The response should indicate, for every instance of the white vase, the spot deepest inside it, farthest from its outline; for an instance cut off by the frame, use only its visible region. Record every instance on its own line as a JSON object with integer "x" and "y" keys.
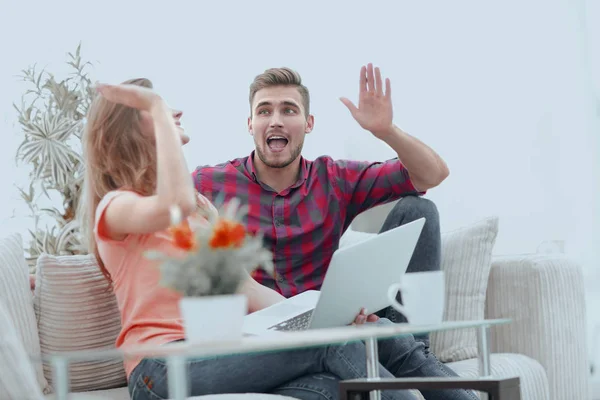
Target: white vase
{"x": 213, "y": 318}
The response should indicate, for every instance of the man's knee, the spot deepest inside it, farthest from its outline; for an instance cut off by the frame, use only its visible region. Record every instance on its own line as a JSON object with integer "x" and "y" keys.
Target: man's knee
{"x": 427, "y": 253}
{"x": 324, "y": 386}
{"x": 411, "y": 208}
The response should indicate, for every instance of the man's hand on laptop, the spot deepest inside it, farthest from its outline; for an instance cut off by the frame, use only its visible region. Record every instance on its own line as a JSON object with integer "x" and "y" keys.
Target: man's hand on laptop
{"x": 363, "y": 317}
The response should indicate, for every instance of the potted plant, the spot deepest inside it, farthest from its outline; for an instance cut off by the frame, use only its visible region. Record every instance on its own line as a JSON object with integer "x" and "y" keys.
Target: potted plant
{"x": 52, "y": 116}
{"x": 213, "y": 261}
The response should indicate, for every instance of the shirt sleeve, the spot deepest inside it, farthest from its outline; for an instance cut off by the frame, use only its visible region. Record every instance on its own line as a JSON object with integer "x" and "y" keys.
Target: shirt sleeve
{"x": 202, "y": 183}
{"x": 99, "y": 228}
{"x": 369, "y": 184}
{"x": 196, "y": 178}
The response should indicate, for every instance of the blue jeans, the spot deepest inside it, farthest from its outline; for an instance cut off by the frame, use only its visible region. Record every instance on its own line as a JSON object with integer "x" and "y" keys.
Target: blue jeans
{"x": 428, "y": 251}
{"x": 303, "y": 373}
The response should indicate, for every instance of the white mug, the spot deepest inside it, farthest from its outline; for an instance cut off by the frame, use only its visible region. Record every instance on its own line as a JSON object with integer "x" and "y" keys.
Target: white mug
{"x": 423, "y": 297}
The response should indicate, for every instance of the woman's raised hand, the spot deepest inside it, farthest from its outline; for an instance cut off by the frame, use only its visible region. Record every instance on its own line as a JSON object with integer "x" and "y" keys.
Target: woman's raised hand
{"x": 134, "y": 96}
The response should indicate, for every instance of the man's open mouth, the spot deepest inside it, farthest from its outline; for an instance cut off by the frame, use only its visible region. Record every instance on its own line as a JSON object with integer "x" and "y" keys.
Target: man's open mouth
{"x": 277, "y": 143}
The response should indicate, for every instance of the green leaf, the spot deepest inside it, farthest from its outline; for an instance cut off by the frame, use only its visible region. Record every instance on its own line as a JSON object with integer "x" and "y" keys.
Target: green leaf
{"x": 50, "y": 119}
{"x": 52, "y": 211}
{"x": 30, "y": 150}
{"x": 155, "y": 255}
{"x": 39, "y": 79}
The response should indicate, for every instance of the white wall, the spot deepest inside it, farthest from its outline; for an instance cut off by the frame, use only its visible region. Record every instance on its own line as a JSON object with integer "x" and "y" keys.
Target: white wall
{"x": 501, "y": 90}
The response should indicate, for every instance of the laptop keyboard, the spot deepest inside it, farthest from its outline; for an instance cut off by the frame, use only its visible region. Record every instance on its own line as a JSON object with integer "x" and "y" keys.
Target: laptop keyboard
{"x": 298, "y": 323}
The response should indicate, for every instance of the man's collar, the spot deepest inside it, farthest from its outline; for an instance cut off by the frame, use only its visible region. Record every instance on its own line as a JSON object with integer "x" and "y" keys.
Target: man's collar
{"x": 250, "y": 166}
{"x": 303, "y": 176}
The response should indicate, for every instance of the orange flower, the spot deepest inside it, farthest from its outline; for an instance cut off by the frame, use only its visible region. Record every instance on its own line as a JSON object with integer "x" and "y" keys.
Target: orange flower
{"x": 227, "y": 234}
{"x": 183, "y": 237}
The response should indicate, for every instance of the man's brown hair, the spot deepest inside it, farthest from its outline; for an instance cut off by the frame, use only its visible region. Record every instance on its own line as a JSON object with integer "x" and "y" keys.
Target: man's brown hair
{"x": 280, "y": 77}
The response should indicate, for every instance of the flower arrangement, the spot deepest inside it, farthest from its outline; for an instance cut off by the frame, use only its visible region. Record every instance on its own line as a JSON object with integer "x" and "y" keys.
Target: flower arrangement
{"x": 216, "y": 257}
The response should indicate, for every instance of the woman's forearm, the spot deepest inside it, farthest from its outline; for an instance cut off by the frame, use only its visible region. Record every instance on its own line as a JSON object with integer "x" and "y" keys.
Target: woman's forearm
{"x": 174, "y": 185}
{"x": 259, "y": 296}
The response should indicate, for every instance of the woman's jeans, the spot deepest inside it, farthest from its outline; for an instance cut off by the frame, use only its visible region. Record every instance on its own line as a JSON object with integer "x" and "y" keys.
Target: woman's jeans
{"x": 311, "y": 373}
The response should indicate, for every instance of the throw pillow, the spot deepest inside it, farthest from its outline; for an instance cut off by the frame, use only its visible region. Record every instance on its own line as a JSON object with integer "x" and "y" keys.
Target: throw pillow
{"x": 17, "y": 375}
{"x": 15, "y": 296}
{"x": 467, "y": 261}
{"x": 351, "y": 237}
{"x": 77, "y": 311}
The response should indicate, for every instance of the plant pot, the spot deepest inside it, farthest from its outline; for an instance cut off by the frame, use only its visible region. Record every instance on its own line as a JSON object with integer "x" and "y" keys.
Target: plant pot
{"x": 213, "y": 318}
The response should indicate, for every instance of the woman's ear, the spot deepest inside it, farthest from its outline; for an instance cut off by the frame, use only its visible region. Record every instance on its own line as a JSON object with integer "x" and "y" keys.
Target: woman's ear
{"x": 146, "y": 123}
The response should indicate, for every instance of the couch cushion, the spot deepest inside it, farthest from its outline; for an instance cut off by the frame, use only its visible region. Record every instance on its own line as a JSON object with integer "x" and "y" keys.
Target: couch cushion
{"x": 76, "y": 311}
{"x": 466, "y": 260}
{"x": 15, "y": 295}
{"x": 351, "y": 237}
{"x": 533, "y": 379}
{"x": 123, "y": 394}
{"x": 547, "y": 308}
{"x": 17, "y": 374}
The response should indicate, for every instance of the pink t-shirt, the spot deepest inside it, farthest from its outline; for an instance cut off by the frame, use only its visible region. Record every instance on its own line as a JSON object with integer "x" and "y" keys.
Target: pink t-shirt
{"x": 149, "y": 312}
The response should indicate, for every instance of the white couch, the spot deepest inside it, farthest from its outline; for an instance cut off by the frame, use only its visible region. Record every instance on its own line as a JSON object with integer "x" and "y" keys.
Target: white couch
{"x": 545, "y": 345}
{"x": 544, "y": 296}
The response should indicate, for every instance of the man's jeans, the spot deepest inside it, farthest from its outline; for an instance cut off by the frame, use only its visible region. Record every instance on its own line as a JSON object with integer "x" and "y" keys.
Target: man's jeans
{"x": 305, "y": 373}
{"x": 427, "y": 254}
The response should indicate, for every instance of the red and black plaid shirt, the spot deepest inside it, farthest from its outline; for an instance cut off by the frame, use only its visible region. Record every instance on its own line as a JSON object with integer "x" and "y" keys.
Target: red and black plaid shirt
{"x": 303, "y": 224}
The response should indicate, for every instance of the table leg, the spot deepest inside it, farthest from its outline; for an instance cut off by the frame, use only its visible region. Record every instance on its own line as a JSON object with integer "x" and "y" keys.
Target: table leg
{"x": 483, "y": 354}
{"x": 60, "y": 377}
{"x": 373, "y": 365}
{"x": 177, "y": 377}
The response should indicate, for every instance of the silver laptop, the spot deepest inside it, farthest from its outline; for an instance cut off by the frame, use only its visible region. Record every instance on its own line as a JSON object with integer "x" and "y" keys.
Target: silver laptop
{"x": 358, "y": 276}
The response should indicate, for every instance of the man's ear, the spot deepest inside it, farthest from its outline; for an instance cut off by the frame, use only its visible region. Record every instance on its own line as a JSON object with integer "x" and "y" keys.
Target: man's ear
{"x": 250, "y": 125}
{"x": 310, "y": 123}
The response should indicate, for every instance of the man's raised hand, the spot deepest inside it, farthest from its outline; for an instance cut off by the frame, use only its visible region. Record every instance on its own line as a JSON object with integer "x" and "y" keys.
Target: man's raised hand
{"x": 374, "y": 112}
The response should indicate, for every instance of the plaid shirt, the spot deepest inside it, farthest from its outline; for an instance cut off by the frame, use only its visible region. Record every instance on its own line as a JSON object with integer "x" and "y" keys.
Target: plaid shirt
{"x": 303, "y": 224}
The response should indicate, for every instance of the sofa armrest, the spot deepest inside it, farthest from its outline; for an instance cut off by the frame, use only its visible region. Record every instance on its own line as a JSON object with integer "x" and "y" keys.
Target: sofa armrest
{"x": 545, "y": 298}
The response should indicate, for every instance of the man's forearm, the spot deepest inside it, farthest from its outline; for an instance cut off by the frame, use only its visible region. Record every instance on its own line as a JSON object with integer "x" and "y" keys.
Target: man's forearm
{"x": 425, "y": 167}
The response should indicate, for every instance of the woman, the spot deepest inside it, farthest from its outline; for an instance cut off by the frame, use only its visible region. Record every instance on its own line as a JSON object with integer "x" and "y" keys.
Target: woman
{"x": 135, "y": 172}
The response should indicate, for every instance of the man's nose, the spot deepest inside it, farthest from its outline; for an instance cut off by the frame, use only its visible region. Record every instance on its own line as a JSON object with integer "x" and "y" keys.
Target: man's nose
{"x": 177, "y": 114}
{"x": 276, "y": 121}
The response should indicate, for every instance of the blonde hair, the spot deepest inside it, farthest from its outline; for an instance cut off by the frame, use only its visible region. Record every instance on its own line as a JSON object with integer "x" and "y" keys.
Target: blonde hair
{"x": 118, "y": 155}
{"x": 280, "y": 77}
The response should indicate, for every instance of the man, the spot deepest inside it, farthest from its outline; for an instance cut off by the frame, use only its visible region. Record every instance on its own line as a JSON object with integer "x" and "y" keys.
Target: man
{"x": 303, "y": 207}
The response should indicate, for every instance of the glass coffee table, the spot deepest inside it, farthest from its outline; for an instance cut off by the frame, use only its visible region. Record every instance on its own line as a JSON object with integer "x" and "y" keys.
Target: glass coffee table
{"x": 177, "y": 354}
